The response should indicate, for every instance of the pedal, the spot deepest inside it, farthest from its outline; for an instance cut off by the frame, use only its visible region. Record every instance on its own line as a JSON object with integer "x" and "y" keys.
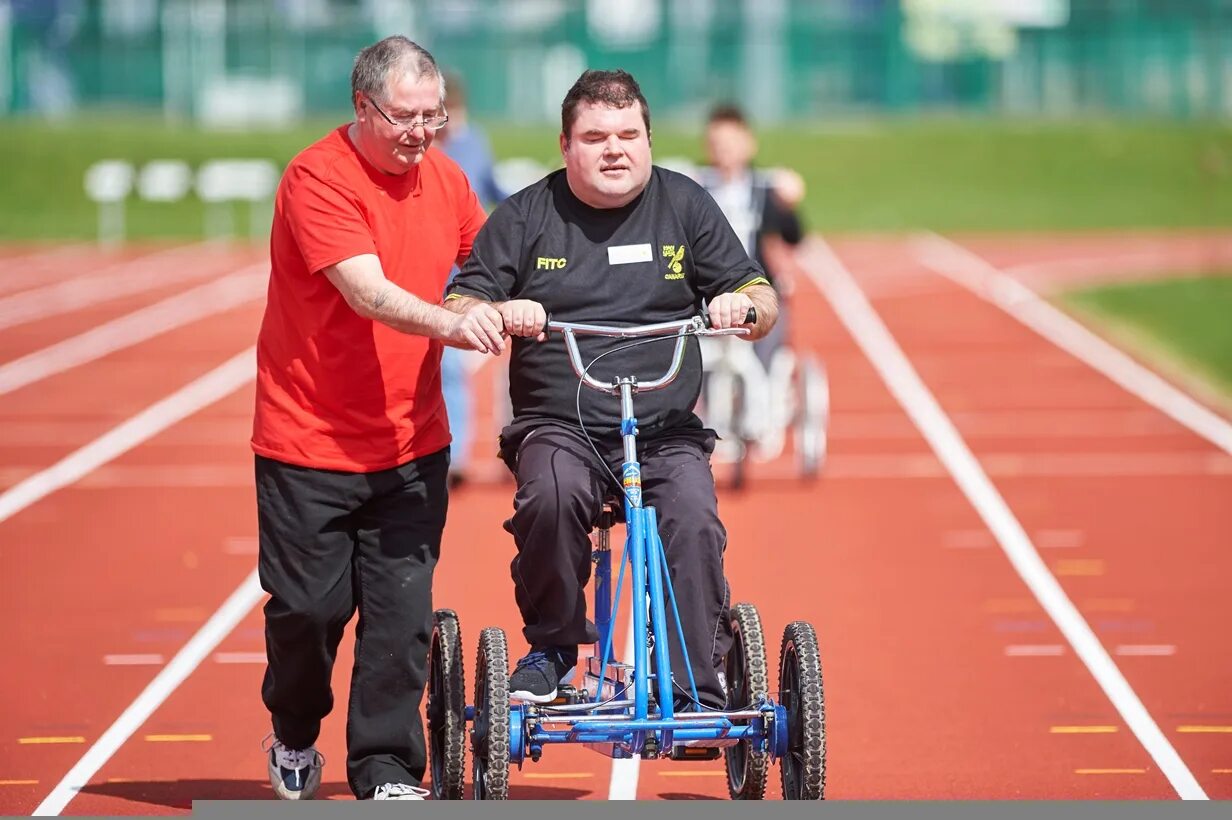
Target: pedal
{"x": 696, "y": 752}
{"x": 567, "y": 695}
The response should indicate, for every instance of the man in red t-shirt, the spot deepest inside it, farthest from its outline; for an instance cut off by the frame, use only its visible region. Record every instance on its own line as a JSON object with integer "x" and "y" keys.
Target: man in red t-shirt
{"x": 350, "y": 432}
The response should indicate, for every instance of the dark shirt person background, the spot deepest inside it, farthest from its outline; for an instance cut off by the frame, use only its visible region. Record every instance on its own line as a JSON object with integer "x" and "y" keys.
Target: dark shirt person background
{"x": 609, "y": 239}
{"x": 350, "y": 433}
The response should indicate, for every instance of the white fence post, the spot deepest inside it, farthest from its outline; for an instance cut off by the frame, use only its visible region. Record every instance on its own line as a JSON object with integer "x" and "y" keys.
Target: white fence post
{"x": 108, "y": 183}
{"x": 222, "y": 182}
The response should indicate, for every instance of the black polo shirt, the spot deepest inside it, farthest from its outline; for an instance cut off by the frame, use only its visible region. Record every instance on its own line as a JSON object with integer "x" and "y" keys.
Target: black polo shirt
{"x": 653, "y": 260}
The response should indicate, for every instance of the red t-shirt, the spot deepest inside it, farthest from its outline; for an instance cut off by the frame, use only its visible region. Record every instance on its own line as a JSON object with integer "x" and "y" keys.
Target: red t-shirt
{"x": 337, "y": 391}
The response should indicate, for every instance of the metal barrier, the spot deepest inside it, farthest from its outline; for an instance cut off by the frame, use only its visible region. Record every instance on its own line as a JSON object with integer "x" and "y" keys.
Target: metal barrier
{"x": 220, "y": 184}
{"x": 242, "y": 62}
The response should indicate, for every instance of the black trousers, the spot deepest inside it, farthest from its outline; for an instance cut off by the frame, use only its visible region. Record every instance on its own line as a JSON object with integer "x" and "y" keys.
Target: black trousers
{"x": 332, "y": 543}
{"x": 561, "y": 488}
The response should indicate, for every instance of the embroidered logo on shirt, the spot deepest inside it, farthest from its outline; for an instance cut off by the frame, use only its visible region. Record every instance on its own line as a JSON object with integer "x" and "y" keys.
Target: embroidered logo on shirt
{"x": 550, "y": 263}
{"x": 674, "y": 254}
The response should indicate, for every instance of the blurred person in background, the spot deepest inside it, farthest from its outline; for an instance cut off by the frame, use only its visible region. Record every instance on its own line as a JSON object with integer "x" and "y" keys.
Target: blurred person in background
{"x": 46, "y": 83}
{"x": 759, "y": 205}
{"x": 610, "y": 238}
{"x": 350, "y": 433}
{"x": 467, "y": 145}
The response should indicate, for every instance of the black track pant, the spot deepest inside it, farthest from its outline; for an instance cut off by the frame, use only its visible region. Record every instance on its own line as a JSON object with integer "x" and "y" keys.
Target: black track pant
{"x": 561, "y": 488}
{"x": 331, "y": 543}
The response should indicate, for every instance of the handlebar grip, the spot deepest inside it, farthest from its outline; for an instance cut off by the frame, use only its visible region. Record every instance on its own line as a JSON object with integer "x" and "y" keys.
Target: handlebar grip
{"x": 750, "y": 318}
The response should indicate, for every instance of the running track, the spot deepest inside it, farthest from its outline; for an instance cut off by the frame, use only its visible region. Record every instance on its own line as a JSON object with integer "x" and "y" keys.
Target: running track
{"x": 1017, "y": 567}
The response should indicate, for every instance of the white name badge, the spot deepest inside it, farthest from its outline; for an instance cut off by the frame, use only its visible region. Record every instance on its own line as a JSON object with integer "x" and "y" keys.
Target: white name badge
{"x": 628, "y": 254}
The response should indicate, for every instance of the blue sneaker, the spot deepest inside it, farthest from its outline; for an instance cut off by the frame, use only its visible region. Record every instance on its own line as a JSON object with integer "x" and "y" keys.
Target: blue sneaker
{"x": 537, "y": 676}
{"x": 295, "y": 774}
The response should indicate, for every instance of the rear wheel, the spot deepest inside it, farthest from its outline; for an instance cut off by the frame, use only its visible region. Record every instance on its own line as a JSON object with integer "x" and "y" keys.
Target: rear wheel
{"x": 490, "y": 732}
{"x": 803, "y": 766}
{"x": 446, "y": 707}
{"x": 747, "y": 682}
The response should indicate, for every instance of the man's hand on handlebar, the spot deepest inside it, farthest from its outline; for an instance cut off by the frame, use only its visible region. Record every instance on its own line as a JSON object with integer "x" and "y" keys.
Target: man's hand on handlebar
{"x": 477, "y": 326}
{"x": 729, "y": 310}
{"x": 524, "y": 317}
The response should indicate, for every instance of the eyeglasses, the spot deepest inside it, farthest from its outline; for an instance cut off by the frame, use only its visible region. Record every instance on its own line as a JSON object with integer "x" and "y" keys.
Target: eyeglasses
{"x": 427, "y": 123}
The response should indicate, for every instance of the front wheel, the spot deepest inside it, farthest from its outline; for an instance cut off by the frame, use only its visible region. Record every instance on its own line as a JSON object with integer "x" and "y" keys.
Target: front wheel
{"x": 803, "y": 767}
{"x": 747, "y": 682}
{"x": 446, "y": 707}
{"x": 490, "y": 733}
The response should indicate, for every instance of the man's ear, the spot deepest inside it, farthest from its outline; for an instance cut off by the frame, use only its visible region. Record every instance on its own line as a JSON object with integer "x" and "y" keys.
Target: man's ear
{"x": 564, "y": 143}
{"x": 650, "y": 138}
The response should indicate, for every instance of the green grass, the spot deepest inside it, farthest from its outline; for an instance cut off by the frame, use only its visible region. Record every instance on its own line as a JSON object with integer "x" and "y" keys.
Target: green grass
{"x": 944, "y": 174}
{"x": 1181, "y": 322}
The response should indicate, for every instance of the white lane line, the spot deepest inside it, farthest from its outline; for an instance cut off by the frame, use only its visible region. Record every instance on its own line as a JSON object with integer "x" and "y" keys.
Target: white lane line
{"x": 1019, "y": 423}
{"x": 907, "y": 467}
{"x": 239, "y": 657}
{"x": 233, "y": 610}
{"x": 140, "y": 325}
{"x": 892, "y": 364}
{"x": 625, "y": 771}
{"x": 1059, "y": 539}
{"x": 81, "y": 423}
{"x": 137, "y": 476}
{"x": 1034, "y": 650}
{"x": 1162, "y": 650}
{"x": 202, "y": 392}
{"x": 964, "y": 267}
{"x": 1159, "y": 259}
{"x": 20, "y": 279}
{"x": 147, "y": 272}
{"x": 967, "y": 539}
{"x": 133, "y": 660}
{"x": 241, "y": 545}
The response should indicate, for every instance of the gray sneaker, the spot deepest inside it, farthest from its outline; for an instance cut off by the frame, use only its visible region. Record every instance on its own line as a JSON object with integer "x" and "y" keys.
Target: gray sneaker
{"x": 399, "y": 791}
{"x": 295, "y": 774}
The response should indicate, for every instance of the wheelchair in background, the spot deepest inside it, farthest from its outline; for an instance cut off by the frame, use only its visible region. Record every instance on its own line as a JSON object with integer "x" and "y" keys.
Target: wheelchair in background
{"x": 763, "y": 413}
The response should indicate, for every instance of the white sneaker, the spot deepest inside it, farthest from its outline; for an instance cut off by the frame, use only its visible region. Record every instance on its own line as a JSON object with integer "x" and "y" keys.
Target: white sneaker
{"x": 399, "y": 791}
{"x": 295, "y": 774}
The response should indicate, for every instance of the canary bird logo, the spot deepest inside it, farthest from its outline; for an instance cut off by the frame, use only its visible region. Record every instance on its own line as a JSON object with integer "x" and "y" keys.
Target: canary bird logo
{"x": 674, "y": 254}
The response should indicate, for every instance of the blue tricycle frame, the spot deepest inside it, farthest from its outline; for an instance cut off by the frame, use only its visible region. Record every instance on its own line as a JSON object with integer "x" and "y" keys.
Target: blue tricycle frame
{"x": 626, "y": 710}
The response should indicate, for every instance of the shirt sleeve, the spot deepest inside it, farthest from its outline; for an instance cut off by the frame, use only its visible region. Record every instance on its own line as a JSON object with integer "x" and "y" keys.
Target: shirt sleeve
{"x": 491, "y": 271}
{"x": 719, "y": 260}
{"x": 326, "y": 220}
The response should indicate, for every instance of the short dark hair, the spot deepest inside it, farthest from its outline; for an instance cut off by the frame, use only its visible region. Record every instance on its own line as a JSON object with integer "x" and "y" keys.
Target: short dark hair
{"x": 616, "y": 88}
{"x": 727, "y": 112}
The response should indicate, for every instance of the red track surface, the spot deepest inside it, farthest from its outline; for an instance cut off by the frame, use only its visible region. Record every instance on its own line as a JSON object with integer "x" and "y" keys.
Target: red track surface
{"x": 919, "y": 612}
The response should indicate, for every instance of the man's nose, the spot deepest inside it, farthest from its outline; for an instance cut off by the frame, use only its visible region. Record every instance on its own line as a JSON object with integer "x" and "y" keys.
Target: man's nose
{"x": 611, "y": 146}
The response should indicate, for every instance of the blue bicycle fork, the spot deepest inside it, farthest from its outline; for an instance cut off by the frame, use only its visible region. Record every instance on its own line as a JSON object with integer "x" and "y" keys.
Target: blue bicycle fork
{"x": 644, "y": 552}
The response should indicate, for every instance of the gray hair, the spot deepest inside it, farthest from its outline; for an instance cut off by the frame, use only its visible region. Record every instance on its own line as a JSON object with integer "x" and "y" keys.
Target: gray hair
{"x": 376, "y": 65}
